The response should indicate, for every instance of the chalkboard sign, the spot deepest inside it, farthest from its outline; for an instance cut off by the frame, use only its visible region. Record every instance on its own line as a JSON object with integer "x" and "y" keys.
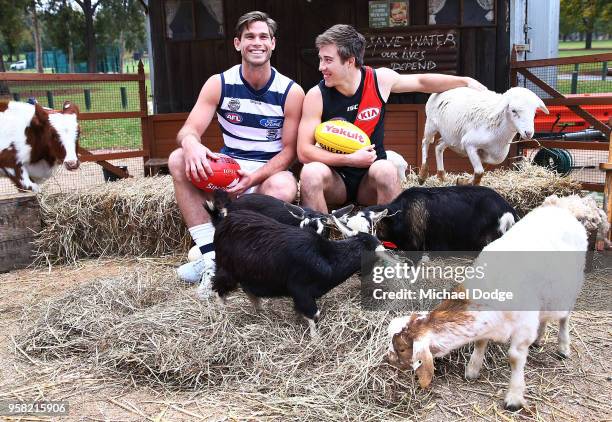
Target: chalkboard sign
{"x": 414, "y": 51}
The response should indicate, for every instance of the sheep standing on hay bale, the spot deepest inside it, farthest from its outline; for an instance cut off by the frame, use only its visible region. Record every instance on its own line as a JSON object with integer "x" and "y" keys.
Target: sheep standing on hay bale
{"x": 270, "y": 259}
{"x": 480, "y": 125}
{"x": 542, "y": 297}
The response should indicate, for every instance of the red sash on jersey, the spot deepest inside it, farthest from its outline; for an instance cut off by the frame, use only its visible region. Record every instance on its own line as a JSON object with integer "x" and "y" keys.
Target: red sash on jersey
{"x": 370, "y": 107}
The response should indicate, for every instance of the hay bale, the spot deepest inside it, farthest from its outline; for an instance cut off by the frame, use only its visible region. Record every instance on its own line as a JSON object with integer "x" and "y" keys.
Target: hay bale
{"x": 131, "y": 217}
{"x": 74, "y": 323}
{"x": 139, "y": 216}
{"x": 146, "y": 330}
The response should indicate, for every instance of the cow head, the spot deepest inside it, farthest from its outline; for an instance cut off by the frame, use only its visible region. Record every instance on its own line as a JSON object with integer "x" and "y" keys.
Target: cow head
{"x": 66, "y": 125}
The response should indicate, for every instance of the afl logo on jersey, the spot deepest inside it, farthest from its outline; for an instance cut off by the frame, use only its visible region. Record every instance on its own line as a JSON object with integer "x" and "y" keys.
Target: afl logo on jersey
{"x": 368, "y": 114}
{"x": 233, "y": 117}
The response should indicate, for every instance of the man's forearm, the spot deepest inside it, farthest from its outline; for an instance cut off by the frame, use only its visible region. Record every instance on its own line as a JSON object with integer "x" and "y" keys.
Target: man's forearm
{"x": 278, "y": 163}
{"x": 187, "y": 134}
{"x": 441, "y": 83}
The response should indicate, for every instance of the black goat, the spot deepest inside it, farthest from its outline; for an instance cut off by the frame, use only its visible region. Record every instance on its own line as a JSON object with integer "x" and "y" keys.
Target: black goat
{"x": 281, "y": 211}
{"x": 454, "y": 218}
{"x": 270, "y": 259}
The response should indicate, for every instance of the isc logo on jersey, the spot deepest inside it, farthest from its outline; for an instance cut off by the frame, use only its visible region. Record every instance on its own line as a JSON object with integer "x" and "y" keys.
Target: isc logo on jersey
{"x": 368, "y": 114}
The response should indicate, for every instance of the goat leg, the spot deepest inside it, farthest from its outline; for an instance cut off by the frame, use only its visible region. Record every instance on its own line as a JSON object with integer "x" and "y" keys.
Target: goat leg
{"x": 472, "y": 370}
{"x": 440, "y": 148}
{"x": 515, "y": 399}
{"x": 472, "y": 153}
{"x": 564, "y": 337}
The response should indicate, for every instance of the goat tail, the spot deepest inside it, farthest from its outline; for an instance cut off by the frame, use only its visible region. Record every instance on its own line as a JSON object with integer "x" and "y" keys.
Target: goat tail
{"x": 505, "y": 222}
{"x": 216, "y": 213}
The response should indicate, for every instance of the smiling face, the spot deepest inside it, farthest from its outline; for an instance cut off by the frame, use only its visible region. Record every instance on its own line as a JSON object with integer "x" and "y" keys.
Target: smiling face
{"x": 255, "y": 44}
{"x": 330, "y": 65}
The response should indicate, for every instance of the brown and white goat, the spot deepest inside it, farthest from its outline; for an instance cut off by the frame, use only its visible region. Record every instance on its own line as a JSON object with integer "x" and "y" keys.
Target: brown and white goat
{"x": 35, "y": 140}
{"x": 418, "y": 338}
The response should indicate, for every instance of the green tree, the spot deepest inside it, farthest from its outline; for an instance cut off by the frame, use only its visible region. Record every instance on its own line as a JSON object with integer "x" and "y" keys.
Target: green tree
{"x": 12, "y": 29}
{"x": 63, "y": 24}
{"x": 121, "y": 23}
{"x": 586, "y": 16}
{"x": 89, "y": 10}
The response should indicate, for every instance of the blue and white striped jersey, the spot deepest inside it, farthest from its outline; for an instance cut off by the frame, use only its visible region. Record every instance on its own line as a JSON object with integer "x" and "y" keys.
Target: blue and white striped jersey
{"x": 252, "y": 120}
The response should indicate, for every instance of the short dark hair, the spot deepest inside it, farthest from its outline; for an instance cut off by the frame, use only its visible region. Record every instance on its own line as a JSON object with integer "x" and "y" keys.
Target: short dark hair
{"x": 248, "y": 18}
{"x": 347, "y": 40}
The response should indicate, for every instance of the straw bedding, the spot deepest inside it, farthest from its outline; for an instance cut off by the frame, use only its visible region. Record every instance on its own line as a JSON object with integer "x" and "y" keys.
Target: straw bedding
{"x": 139, "y": 216}
{"x": 147, "y": 328}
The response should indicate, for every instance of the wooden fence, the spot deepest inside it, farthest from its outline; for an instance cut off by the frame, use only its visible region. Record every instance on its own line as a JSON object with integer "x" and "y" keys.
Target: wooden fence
{"x": 141, "y": 112}
{"x": 574, "y": 103}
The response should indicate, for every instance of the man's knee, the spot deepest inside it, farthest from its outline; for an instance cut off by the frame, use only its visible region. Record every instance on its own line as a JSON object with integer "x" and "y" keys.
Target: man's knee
{"x": 281, "y": 186}
{"x": 313, "y": 176}
{"x": 384, "y": 172}
{"x": 176, "y": 164}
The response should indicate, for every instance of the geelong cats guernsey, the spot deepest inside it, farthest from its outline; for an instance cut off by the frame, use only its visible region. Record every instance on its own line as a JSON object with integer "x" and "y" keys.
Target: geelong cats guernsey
{"x": 252, "y": 120}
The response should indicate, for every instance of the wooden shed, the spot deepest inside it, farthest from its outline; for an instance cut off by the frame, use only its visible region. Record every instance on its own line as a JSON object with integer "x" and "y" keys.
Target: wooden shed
{"x": 193, "y": 39}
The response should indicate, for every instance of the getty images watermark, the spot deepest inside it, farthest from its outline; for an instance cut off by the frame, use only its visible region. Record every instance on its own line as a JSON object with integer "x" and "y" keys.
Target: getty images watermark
{"x": 492, "y": 280}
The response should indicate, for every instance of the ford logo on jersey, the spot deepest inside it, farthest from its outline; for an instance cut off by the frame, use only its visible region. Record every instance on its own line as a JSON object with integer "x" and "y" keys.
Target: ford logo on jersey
{"x": 271, "y": 123}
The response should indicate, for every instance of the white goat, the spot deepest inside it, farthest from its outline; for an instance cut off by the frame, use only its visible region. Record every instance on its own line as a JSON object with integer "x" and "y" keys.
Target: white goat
{"x": 480, "y": 125}
{"x": 400, "y": 163}
{"x": 543, "y": 295}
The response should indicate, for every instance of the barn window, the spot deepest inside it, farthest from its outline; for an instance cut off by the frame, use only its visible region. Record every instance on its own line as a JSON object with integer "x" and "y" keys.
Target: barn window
{"x": 194, "y": 19}
{"x": 461, "y": 12}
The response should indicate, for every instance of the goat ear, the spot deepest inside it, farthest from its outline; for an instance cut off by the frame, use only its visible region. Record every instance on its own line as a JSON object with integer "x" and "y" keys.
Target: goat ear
{"x": 294, "y": 210}
{"x": 69, "y": 108}
{"x": 424, "y": 368}
{"x": 345, "y": 230}
{"x": 542, "y": 106}
{"x": 503, "y": 104}
{"x": 375, "y": 217}
{"x": 41, "y": 117}
{"x": 343, "y": 211}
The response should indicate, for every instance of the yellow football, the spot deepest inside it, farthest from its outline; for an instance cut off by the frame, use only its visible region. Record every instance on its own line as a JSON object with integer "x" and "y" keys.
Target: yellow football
{"x": 341, "y": 137}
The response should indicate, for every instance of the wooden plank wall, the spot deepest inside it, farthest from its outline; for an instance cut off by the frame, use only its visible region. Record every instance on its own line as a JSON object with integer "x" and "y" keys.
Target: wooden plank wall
{"x": 404, "y": 124}
{"x": 182, "y": 67}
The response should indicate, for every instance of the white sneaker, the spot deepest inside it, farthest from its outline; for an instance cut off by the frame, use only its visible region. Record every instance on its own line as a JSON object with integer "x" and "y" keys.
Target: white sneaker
{"x": 192, "y": 272}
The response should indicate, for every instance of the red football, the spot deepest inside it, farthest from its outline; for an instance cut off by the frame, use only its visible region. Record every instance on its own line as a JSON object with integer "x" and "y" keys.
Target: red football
{"x": 225, "y": 174}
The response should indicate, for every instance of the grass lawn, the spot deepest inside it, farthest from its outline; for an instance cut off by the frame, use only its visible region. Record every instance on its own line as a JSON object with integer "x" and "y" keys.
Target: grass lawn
{"x": 579, "y": 45}
{"x": 104, "y": 97}
{"x": 576, "y": 48}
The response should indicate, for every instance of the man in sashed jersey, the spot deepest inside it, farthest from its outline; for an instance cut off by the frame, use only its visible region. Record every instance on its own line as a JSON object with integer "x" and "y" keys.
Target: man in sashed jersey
{"x": 259, "y": 111}
{"x": 356, "y": 93}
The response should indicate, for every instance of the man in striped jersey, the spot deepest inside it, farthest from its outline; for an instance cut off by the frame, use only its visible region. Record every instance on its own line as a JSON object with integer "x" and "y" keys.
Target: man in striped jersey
{"x": 259, "y": 111}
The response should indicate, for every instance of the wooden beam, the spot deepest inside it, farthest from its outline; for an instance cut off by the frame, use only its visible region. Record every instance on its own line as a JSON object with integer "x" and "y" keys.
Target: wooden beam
{"x": 68, "y": 77}
{"x": 587, "y": 145}
{"x": 576, "y": 109}
{"x": 114, "y": 156}
{"x": 586, "y": 100}
{"x": 113, "y": 115}
{"x": 105, "y": 164}
{"x": 592, "y": 58}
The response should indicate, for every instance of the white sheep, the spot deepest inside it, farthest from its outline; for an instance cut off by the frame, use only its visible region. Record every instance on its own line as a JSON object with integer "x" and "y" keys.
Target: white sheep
{"x": 543, "y": 293}
{"x": 479, "y": 124}
{"x": 585, "y": 209}
{"x": 400, "y": 163}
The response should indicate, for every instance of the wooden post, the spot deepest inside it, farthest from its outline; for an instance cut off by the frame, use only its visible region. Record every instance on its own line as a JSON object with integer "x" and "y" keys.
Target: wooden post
{"x": 513, "y": 71}
{"x": 607, "y": 167}
{"x": 144, "y": 120}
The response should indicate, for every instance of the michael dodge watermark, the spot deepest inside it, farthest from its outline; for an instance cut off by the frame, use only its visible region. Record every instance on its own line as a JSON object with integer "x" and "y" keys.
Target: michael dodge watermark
{"x": 488, "y": 280}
